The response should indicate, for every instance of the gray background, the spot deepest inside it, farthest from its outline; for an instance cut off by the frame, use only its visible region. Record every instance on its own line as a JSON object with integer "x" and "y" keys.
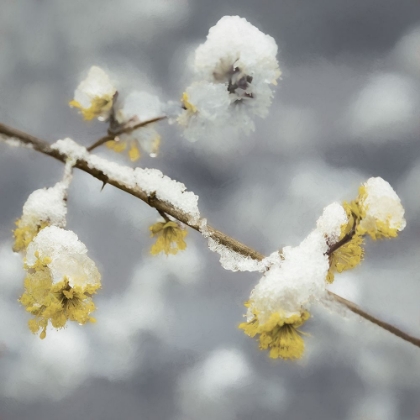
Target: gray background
{"x": 166, "y": 345}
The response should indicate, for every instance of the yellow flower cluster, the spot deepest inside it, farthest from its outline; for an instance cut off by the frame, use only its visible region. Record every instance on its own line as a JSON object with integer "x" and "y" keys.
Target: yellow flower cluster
{"x": 301, "y": 276}
{"x": 170, "y": 238}
{"x": 376, "y": 214}
{"x": 55, "y": 302}
{"x": 279, "y": 334}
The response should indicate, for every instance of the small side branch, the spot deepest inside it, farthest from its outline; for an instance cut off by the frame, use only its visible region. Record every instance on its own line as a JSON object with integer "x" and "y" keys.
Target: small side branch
{"x": 125, "y": 130}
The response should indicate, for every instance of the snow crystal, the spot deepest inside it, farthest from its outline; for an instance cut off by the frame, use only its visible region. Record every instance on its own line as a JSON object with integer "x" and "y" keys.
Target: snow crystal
{"x": 71, "y": 149}
{"x": 329, "y": 224}
{"x": 67, "y": 254}
{"x": 203, "y": 227}
{"x": 232, "y": 260}
{"x": 152, "y": 181}
{"x": 119, "y": 173}
{"x": 46, "y": 204}
{"x": 383, "y": 204}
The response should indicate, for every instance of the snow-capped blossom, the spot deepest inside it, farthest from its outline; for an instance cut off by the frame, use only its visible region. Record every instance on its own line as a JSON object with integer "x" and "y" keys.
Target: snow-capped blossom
{"x": 94, "y": 95}
{"x": 138, "y": 107}
{"x": 377, "y": 212}
{"x": 239, "y": 55}
{"x": 381, "y": 211}
{"x": 44, "y": 207}
{"x": 337, "y": 223}
{"x": 205, "y": 109}
{"x": 241, "y": 60}
{"x": 278, "y": 303}
{"x": 170, "y": 238}
{"x": 296, "y": 281}
{"x": 331, "y": 221}
{"x": 60, "y": 280}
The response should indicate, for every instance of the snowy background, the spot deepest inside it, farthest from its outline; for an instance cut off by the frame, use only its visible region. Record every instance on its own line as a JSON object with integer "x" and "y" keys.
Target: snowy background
{"x": 166, "y": 345}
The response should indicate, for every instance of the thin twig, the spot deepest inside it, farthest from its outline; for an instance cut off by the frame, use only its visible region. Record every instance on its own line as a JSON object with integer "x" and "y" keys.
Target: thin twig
{"x": 166, "y": 208}
{"x": 388, "y": 327}
{"x": 112, "y": 135}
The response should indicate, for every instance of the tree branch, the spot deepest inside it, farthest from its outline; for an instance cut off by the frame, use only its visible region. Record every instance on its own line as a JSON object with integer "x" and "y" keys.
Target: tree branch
{"x": 44, "y": 147}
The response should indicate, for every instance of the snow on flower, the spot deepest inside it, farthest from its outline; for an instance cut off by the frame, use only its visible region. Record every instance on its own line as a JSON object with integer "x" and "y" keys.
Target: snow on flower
{"x": 44, "y": 207}
{"x": 381, "y": 210}
{"x": 138, "y": 107}
{"x": 94, "y": 95}
{"x": 241, "y": 60}
{"x": 60, "y": 280}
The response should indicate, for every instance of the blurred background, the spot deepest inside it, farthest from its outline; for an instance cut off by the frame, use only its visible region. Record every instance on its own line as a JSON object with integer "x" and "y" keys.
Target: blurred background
{"x": 166, "y": 344}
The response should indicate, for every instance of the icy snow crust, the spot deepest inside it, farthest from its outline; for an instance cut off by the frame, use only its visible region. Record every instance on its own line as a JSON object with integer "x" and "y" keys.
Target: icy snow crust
{"x": 151, "y": 181}
{"x": 233, "y": 261}
{"x": 67, "y": 254}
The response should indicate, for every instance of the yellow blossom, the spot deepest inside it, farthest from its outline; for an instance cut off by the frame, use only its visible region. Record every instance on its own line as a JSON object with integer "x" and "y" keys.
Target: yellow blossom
{"x": 170, "y": 238}
{"x": 349, "y": 254}
{"x": 25, "y": 233}
{"x": 149, "y": 139}
{"x": 56, "y": 303}
{"x": 376, "y": 229}
{"x": 95, "y": 95}
{"x": 98, "y": 107}
{"x": 121, "y": 145}
{"x": 185, "y": 100}
{"x": 279, "y": 334}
